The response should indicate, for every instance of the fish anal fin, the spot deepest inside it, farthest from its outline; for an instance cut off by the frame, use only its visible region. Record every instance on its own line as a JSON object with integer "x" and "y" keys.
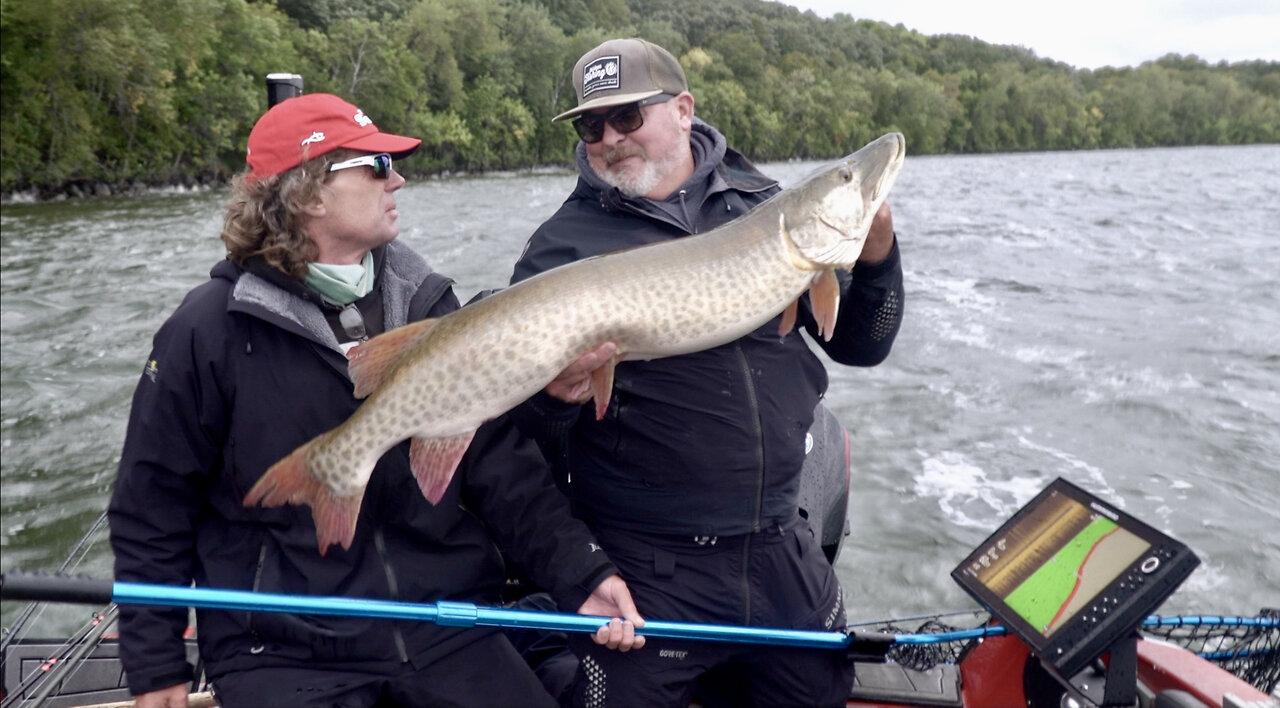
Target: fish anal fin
{"x": 434, "y": 460}
{"x": 291, "y": 481}
{"x": 788, "y": 319}
{"x": 824, "y": 295}
{"x": 371, "y": 361}
{"x": 602, "y": 385}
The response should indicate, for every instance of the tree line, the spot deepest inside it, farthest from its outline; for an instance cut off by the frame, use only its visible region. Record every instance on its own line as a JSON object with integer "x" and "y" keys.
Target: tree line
{"x": 110, "y": 94}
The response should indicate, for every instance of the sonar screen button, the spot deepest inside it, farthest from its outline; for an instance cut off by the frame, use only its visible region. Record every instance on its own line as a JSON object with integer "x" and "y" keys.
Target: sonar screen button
{"x": 1149, "y": 565}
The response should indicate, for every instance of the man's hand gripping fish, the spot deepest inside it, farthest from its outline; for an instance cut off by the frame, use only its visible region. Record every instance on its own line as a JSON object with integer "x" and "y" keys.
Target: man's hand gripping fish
{"x": 436, "y": 381}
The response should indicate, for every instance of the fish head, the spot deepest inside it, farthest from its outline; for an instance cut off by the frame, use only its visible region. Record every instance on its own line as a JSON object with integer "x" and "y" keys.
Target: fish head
{"x": 827, "y": 216}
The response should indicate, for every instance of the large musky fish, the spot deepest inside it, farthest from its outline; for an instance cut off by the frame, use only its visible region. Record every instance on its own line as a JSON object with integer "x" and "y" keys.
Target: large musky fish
{"x": 436, "y": 381}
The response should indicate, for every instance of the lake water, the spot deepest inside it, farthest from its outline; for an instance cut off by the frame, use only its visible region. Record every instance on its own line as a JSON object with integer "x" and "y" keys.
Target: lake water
{"x": 1110, "y": 317}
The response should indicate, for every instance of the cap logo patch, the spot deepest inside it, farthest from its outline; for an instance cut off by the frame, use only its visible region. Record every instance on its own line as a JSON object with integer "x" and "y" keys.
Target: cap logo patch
{"x": 315, "y": 137}
{"x": 602, "y": 74}
{"x": 364, "y": 120}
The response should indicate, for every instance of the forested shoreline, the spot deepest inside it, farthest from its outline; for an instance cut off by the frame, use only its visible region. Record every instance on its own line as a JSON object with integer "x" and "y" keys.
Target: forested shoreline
{"x": 101, "y": 96}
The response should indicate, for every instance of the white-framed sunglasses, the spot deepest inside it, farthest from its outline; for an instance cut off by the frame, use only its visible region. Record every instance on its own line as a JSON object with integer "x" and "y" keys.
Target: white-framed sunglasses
{"x": 381, "y": 164}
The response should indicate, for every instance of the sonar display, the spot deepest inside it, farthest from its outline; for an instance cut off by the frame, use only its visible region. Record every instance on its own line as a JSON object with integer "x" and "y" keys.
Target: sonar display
{"x": 1054, "y": 560}
{"x": 1072, "y": 576}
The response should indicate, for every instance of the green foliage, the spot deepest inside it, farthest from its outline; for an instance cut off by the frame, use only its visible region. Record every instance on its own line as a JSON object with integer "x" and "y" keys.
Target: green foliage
{"x": 153, "y": 91}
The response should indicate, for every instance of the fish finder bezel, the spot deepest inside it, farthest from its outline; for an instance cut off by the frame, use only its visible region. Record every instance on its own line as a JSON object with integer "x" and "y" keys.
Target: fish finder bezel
{"x": 1112, "y": 612}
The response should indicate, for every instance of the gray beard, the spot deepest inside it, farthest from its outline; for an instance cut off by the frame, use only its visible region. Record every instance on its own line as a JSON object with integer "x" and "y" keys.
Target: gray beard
{"x": 633, "y": 184}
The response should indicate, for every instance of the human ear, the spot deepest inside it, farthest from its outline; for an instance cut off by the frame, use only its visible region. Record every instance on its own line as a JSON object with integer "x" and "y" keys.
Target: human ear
{"x": 683, "y": 106}
{"x": 315, "y": 208}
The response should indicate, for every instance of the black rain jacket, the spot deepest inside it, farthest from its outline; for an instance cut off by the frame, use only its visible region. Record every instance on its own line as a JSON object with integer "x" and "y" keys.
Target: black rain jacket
{"x": 709, "y": 443}
{"x": 247, "y": 369}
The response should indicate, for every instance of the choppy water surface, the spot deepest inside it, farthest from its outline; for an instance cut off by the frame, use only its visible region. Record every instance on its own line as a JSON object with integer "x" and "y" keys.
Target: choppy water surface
{"x": 1111, "y": 317}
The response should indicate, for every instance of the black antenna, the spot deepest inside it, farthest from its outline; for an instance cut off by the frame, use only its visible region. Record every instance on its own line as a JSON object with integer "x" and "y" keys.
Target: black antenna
{"x": 282, "y": 86}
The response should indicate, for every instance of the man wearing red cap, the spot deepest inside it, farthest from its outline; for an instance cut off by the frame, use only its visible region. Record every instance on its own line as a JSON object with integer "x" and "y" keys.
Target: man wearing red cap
{"x": 691, "y": 478}
{"x": 250, "y": 366}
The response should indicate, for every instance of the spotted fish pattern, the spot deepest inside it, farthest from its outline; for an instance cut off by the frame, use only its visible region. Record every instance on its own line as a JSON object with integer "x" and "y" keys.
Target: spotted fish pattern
{"x": 435, "y": 382}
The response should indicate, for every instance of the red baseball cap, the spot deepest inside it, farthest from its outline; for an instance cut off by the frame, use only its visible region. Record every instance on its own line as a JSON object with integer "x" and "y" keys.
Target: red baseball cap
{"x": 308, "y": 126}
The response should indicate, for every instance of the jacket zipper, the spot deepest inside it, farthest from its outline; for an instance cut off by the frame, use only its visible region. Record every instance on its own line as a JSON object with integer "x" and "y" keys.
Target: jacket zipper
{"x": 754, "y": 406}
{"x": 258, "y": 644}
{"x": 380, "y": 543}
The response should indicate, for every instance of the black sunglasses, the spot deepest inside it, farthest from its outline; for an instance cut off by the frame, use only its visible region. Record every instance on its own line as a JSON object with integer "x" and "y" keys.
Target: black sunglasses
{"x": 624, "y": 119}
{"x": 381, "y": 164}
{"x": 353, "y": 323}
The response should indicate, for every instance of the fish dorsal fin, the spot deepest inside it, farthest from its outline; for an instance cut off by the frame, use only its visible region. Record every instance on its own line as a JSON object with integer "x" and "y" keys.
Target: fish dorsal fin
{"x": 371, "y": 361}
{"x": 434, "y": 460}
{"x": 602, "y": 385}
{"x": 824, "y": 295}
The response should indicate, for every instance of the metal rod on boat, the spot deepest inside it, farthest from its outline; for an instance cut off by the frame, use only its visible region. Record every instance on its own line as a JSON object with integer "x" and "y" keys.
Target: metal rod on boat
{"x": 16, "y": 629}
{"x": 444, "y": 613}
{"x": 65, "y": 668}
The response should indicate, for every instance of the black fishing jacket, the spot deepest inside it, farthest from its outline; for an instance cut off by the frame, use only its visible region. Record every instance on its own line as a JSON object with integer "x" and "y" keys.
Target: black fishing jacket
{"x": 247, "y": 369}
{"x": 709, "y": 443}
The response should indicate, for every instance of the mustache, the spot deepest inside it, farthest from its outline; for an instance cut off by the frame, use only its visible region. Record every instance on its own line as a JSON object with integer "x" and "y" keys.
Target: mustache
{"x": 619, "y": 154}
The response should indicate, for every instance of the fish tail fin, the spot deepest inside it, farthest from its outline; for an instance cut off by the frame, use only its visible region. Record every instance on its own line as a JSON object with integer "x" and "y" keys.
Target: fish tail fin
{"x": 292, "y": 481}
{"x": 824, "y": 295}
{"x": 370, "y": 362}
{"x": 434, "y": 461}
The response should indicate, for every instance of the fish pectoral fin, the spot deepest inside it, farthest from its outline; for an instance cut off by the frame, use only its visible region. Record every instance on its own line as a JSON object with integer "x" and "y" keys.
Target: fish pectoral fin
{"x": 434, "y": 460}
{"x": 788, "y": 319}
{"x": 824, "y": 295}
{"x": 291, "y": 481}
{"x": 602, "y": 385}
{"x": 369, "y": 362}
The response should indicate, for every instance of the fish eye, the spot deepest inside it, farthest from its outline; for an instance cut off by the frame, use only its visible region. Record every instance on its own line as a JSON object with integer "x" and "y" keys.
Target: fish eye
{"x": 846, "y": 174}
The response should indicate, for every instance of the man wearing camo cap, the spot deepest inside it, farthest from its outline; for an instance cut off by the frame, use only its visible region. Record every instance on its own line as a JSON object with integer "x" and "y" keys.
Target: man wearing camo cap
{"x": 690, "y": 480}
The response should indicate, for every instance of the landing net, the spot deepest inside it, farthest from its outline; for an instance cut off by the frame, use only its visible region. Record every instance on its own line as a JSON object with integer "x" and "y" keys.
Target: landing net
{"x": 1248, "y": 647}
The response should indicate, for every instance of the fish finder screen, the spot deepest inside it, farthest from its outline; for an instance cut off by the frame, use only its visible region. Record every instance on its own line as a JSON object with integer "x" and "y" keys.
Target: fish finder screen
{"x": 1055, "y": 560}
{"x": 1071, "y": 575}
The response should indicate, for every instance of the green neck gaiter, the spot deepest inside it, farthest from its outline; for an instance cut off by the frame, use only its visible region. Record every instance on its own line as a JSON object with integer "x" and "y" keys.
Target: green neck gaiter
{"x": 341, "y": 284}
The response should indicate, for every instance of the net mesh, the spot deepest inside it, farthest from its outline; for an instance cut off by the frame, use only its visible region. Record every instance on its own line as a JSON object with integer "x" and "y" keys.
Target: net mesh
{"x": 1248, "y": 647}
{"x": 938, "y": 649}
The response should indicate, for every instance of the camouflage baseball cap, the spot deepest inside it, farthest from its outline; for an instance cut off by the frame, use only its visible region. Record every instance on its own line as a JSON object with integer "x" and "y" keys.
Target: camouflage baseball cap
{"x": 622, "y": 71}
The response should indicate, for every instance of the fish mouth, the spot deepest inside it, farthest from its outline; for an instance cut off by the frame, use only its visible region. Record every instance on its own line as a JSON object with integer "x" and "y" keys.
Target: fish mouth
{"x": 885, "y": 158}
{"x": 893, "y": 165}
{"x": 866, "y": 176}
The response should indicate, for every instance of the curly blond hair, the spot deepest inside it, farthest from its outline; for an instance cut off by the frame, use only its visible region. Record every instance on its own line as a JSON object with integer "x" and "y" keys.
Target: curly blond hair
{"x": 263, "y": 216}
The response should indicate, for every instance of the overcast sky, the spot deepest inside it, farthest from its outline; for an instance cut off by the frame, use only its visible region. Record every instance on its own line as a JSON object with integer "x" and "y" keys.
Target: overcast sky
{"x": 1089, "y": 34}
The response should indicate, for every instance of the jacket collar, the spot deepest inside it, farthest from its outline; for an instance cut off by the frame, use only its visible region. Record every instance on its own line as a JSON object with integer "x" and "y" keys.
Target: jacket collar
{"x": 270, "y": 294}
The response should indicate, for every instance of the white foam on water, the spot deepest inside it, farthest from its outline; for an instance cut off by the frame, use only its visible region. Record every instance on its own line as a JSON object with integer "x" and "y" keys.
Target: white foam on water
{"x": 967, "y": 495}
{"x": 1207, "y": 579}
{"x": 1112, "y": 383}
{"x": 1048, "y": 355}
{"x": 1097, "y": 482}
{"x": 955, "y": 311}
{"x": 963, "y": 293}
